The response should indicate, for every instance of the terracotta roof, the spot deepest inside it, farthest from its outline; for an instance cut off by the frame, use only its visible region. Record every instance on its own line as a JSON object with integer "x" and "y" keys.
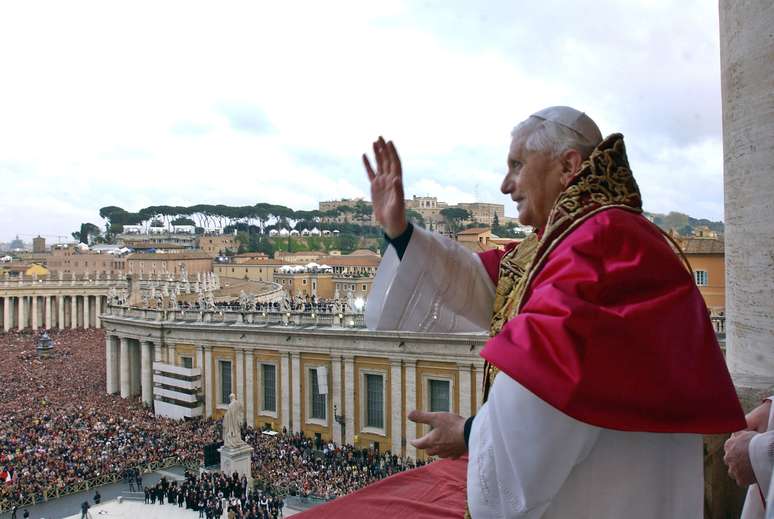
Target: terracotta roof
{"x": 170, "y": 257}
{"x": 151, "y": 245}
{"x": 475, "y": 230}
{"x": 257, "y": 261}
{"x": 350, "y": 261}
{"x": 363, "y": 252}
{"x": 702, "y": 246}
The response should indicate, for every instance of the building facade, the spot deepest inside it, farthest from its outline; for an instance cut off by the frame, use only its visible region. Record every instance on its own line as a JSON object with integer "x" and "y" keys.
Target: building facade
{"x": 218, "y": 244}
{"x": 339, "y": 383}
{"x": 706, "y": 255}
{"x": 253, "y": 270}
{"x": 484, "y": 213}
{"x": 73, "y": 261}
{"x": 158, "y": 264}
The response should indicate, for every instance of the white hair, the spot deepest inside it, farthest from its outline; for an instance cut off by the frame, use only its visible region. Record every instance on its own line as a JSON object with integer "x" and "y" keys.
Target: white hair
{"x": 541, "y": 135}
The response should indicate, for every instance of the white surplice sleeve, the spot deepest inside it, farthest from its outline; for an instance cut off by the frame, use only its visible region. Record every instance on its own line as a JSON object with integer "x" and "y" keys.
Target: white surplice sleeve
{"x": 438, "y": 286}
{"x": 760, "y": 454}
{"x": 761, "y": 451}
{"x": 522, "y": 451}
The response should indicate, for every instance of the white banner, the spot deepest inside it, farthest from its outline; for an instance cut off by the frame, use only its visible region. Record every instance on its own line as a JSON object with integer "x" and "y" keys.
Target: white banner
{"x": 322, "y": 380}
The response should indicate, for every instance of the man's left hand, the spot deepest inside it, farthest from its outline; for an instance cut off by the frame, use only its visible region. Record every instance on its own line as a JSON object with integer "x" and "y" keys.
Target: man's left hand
{"x": 737, "y": 457}
{"x": 447, "y": 439}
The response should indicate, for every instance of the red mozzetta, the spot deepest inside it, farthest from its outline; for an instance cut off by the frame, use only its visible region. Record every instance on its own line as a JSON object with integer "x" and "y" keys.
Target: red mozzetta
{"x": 612, "y": 331}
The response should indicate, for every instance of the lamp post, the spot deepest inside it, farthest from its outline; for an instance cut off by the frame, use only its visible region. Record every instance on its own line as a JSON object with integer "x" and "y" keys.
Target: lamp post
{"x": 342, "y": 422}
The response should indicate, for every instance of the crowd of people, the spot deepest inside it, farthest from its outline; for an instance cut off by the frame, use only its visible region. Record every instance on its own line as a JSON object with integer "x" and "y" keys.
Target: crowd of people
{"x": 213, "y": 493}
{"x": 297, "y": 465}
{"x": 59, "y": 428}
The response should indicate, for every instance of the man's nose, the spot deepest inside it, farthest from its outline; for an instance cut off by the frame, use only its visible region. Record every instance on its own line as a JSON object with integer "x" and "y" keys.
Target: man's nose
{"x": 507, "y": 185}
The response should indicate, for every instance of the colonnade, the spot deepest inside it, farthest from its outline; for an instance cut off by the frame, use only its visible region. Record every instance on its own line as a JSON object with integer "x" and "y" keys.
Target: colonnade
{"x": 28, "y": 309}
{"x": 129, "y": 367}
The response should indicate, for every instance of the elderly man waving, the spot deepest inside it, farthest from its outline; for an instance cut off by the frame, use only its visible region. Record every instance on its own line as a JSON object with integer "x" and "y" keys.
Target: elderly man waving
{"x": 603, "y": 370}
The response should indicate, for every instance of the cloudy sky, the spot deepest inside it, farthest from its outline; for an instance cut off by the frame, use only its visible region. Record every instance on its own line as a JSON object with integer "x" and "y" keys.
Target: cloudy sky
{"x": 134, "y": 104}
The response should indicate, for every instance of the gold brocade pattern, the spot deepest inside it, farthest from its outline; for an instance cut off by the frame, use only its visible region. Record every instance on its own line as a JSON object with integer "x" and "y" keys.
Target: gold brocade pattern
{"x": 603, "y": 182}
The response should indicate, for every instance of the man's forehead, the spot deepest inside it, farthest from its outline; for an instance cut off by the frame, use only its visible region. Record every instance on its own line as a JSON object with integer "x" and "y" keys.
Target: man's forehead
{"x": 517, "y": 148}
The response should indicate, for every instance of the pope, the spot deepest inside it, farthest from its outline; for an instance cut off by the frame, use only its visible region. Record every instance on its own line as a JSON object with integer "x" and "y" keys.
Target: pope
{"x": 602, "y": 368}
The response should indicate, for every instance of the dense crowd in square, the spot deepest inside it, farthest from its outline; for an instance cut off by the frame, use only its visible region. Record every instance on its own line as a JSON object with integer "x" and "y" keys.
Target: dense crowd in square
{"x": 58, "y": 428}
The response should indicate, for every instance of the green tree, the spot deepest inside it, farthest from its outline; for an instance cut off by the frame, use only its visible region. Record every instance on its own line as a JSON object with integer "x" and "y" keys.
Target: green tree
{"x": 454, "y": 217}
{"x": 86, "y": 231}
{"x": 415, "y": 217}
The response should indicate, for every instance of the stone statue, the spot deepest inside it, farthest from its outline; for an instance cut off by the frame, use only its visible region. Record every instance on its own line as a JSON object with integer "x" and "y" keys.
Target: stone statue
{"x": 173, "y": 299}
{"x": 200, "y": 300}
{"x": 209, "y": 301}
{"x": 350, "y": 301}
{"x": 286, "y": 303}
{"x": 232, "y": 424}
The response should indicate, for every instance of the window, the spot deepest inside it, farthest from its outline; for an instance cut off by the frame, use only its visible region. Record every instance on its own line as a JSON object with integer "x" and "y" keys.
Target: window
{"x": 317, "y": 411}
{"x": 187, "y": 362}
{"x": 364, "y": 288}
{"x": 225, "y": 381}
{"x": 269, "y": 377}
{"x": 701, "y": 277}
{"x": 439, "y": 396}
{"x": 374, "y": 412}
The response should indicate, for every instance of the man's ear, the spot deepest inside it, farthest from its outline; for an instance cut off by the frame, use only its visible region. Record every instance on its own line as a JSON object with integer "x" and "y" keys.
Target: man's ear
{"x": 571, "y": 162}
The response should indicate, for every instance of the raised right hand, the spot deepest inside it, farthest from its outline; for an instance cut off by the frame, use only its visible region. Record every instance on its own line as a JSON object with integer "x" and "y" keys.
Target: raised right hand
{"x": 387, "y": 188}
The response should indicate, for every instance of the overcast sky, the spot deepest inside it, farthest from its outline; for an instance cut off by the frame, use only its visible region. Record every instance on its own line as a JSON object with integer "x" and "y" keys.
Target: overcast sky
{"x": 134, "y": 104}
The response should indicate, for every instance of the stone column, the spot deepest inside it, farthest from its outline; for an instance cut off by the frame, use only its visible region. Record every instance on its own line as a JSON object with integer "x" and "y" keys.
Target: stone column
{"x": 157, "y": 353}
{"x": 97, "y": 311}
{"x": 7, "y": 302}
{"x": 171, "y": 354}
{"x": 61, "y": 313}
{"x": 285, "y": 378}
{"x": 249, "y": 388}
{"x": 124, "y": 367}
{"x": 479, "y": 385}
{"x": 239, "y": 391}
{"x": 111, "y": 364}
{"x": 411, "y": 399}
{"x": 49, "y": 310}
{"x": 136, "y": 380}
{"x": 34, "y": 312}
{"x": 396, "y": 406}
{"x": 146, "y": 370}
{"x": 21, "y": 317}
{"x": 349, "y": 398}
{"x": 295, "y": 368}
{"x": 463, "y": 371}
{"x": 86, "y": 312}
{"x": 207, "y": 382}
{"x": 747, "y": 69}
{"x": 73, "y": 312}
{"x": 336, "y": 394}
{"x": 199, "y": 358}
